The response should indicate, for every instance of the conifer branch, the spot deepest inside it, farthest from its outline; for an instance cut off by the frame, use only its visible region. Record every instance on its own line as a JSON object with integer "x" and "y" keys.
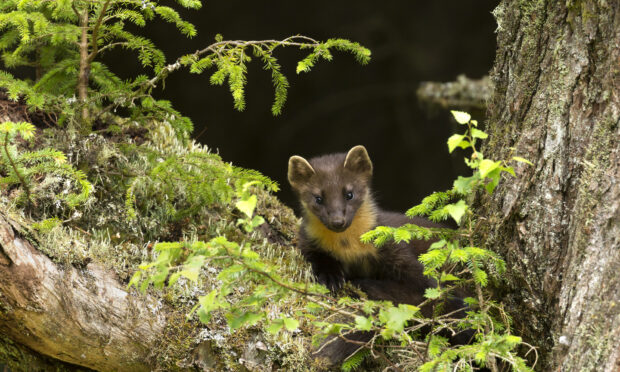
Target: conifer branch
{"x": 218, "y": 47}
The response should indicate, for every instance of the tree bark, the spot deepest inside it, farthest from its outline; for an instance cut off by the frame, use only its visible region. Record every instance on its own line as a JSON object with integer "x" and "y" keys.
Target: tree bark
{"x": 84, "y": 317}
{"x": 557, "y": 102}
{"x": 84, "y": 73}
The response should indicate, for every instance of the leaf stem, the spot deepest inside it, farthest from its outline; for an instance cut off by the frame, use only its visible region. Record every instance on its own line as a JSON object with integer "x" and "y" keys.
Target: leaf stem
{"x": 15, "y": 169}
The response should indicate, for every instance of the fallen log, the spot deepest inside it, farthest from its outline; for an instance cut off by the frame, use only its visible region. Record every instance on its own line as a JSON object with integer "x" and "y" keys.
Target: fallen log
{"x": 80, "y": 316}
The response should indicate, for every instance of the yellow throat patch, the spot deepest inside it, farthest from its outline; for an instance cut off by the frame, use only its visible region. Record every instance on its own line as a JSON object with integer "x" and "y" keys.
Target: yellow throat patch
{"x": 345, "y": 246}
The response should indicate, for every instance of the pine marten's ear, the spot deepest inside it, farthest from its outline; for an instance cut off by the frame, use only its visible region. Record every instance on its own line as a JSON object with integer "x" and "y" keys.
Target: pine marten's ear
{"x": 358, "y": 161}
{"x": 299, "y": 170}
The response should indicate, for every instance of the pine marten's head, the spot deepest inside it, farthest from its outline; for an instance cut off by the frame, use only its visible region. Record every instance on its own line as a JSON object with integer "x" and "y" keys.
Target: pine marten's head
{"x": 332, "y": 187}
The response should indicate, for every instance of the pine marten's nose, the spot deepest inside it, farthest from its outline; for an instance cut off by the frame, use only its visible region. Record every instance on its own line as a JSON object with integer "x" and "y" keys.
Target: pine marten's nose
{"x": 338, "y": 222}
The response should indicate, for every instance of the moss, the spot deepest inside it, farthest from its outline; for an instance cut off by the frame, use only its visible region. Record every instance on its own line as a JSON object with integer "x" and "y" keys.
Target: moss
{"x": 17, "y": 358}
{"x": 99, "y": 231}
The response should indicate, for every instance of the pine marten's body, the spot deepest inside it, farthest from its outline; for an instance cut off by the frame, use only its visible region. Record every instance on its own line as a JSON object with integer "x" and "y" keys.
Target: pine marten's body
{"x": 334, "y": 191}
{"x": 337, "y": 208}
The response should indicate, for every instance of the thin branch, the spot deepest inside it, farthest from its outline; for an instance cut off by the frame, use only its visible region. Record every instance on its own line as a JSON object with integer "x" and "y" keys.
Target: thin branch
{"x": 8, "y": 155}
{"x": 112, "y": 45}
{"x": 219, "y": 46}
{"x": 94, "y": 35}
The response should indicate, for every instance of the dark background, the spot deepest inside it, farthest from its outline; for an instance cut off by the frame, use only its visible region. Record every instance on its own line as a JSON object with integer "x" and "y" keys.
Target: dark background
{"x": 338, "y": 104}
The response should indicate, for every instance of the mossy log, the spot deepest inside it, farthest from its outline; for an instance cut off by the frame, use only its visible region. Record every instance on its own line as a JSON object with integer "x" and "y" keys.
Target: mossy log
{"x": 80, "y": 316}
{"x": 557, "y": 224}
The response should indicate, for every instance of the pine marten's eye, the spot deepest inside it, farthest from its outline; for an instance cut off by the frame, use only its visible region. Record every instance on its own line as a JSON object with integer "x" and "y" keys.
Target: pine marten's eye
{"x": 348, "y": 195}
{"x": 318, "y": 200}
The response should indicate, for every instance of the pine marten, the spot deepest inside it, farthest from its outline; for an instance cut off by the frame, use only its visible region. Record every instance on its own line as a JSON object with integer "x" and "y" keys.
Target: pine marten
{"x": 338, "y": 207}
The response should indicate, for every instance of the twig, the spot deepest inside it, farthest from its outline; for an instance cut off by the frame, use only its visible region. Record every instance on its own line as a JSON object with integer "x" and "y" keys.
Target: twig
{"x": 8, "y": 155}
{"x": 219, "y": 46}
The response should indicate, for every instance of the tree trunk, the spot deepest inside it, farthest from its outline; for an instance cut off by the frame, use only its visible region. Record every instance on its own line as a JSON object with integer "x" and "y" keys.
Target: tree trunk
{"x": 557, "y": 102}
{"x": 84, "y": 73}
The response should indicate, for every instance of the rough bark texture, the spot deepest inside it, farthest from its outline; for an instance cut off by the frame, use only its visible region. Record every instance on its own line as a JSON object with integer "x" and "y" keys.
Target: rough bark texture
{"x": 557, "y": 101}
{"x": 85, "y": 317}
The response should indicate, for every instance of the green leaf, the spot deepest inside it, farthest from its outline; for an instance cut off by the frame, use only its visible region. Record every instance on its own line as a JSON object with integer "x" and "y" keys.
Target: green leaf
{"x": 432, "y": 293}
{"x": 275, "y": 326}
{"x": 396, "y": 317}
{"x": 257, "y": 221}
{"x": 457, "y": 210}
{"x": 470, "y": 301}
{"x": 247, "y": 206}
{"x": 457, "y": 140}
{"x": 209, "y": 303}
{"x": 363, "y": 323}
{"x": 486, "y": 166}
{"x": 291, "y": 324}
{"x": 522, "y": 160}
{"x": 438, "y": 244}
{"x": 510, "y": 170}
{"x": 464, "y": 185}
{"x": 135, "y": 279}
{"x": 477, "y": 133}
{"x": 247, "y": 318}
{"x": 494, "y": 175}
{"x": 460, "y": 116}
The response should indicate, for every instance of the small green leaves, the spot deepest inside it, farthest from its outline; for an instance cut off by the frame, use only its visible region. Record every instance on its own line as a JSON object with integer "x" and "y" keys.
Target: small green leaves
{"x": 191, "y": 269}
{"x": 26, "y": 167}
{"x": 432, "y": 293}
{"x": 487, "y": 166}
{"x": 522, "y": 160}
{"x": 465, "y": 185}
{"x": 395, "y": 318}
{"x": 208, "y": 304}
{"x": 457, "y": 210}
{"x": 457, "y": 140}
{"x": 277, "y": 325}
{"x": 238, "y": 319}
{"x": 477, "y": 133}
{"x": 461, "y": 117}
{"x": 362, "y": 323}
{"x": 247, "y": 206}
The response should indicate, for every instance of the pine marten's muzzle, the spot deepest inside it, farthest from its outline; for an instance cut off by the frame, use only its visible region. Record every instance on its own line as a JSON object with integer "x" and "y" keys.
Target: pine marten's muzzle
{"x": 336, "y": 220}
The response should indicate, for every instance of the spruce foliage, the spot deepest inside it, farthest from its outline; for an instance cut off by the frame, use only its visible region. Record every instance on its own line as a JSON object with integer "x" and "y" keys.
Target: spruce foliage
{"x": 62, "y": 41}
{"x": 22, "y": 167}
